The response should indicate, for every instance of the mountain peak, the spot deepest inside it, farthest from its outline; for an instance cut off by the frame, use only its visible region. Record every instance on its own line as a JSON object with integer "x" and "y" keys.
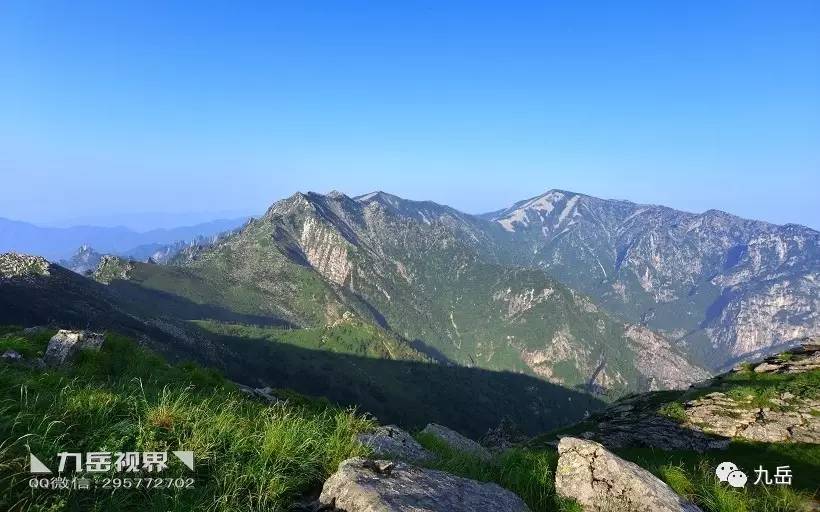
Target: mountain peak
{"x": 560, "y": 203}
{"x": 380, "y": 196}
{"x": 335, "y": 194}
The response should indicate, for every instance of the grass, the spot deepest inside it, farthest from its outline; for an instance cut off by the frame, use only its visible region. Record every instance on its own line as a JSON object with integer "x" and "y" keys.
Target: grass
{"x": 673, "y": 410}
{"x": 31, "y": 345}
{"x": 755, "y": 390}
{"x": 528, "y": 473}
{"x": 249, "y": 455}
{"x": 691, "y": 474}
{"x": 700, "y": 486}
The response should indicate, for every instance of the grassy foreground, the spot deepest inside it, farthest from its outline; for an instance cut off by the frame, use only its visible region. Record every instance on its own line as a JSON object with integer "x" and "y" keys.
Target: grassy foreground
{"x": 251, "y": 456}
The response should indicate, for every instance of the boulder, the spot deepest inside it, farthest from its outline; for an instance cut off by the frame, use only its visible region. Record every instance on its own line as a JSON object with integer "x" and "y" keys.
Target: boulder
{"x": 11, "y": 356}
{"x": 64, "y": 345}
{"x": 362, "y": 485}
{"x": 601, "y": 481}
{"x": 264, "y": 394}
{"x": 392, "y": 442}
{"x": 456, "y": 441}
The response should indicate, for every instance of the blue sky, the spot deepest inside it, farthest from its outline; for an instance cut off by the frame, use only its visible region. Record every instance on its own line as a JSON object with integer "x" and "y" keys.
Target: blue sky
{"x": 109, "y": 108}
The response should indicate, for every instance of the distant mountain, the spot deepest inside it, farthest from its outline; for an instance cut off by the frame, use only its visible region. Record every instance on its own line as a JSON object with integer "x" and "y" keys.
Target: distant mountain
{"x": 84, "y": 261}
{"x": 60, "y": 243}
{"x": 721, "y": 286}
{"x": 145, "y": 221}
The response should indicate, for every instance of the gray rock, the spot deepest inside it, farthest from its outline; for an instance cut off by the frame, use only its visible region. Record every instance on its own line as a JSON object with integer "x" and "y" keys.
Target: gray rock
{"x": 64, "y": 345}
{"x": 766, "y": 368}
{"x": 392, "y": 442}
{"x": 601, "y": 481}
{"x": 456, "y": 441}
{"x": 11, "y": 356}
{"x": 718, "y": 414}
{"x": 362, "y": 485}
{"x": 264, "y": 394}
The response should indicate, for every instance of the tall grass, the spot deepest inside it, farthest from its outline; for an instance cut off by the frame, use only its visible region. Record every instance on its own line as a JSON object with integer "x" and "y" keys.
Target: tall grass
{"x": 528, "y": 473}
{"x": 249, "y": 455}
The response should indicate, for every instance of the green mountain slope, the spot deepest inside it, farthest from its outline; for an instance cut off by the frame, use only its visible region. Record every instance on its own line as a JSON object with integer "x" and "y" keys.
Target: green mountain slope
{"x": 350, "y": 361}
{"x": 425, "y": 272}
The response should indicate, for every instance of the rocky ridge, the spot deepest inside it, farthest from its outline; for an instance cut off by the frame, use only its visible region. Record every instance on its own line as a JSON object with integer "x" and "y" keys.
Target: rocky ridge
{"x": 21, "y": 266}
{"x": 717, "y": 284}
{"x": 743, "y": 404}
{"x": 427, "y": 273}
{"x": 84, "y": 261}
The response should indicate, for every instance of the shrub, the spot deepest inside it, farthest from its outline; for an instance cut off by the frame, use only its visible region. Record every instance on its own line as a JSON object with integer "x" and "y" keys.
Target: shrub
{"x": 673, "y": 410}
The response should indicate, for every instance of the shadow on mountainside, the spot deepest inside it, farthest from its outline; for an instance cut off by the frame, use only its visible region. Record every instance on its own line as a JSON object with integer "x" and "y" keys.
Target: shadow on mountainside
{"x": 408, "y": 393}
{"x": 70, "y": 298}
{"x": 150, "y": 302}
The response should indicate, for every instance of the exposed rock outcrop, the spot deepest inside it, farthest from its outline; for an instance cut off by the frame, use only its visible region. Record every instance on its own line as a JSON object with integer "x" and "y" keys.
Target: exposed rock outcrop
{"x": 64, "y": 345}
{"x": 801, "y": 359}
{"x": 601, "y": 481}
{"x": 456, "y": 441}
{"x": 14, "y": 265}
{"x": 788, "y": 418}
{"x": 84, "y": 261}
{"x": 362, "y": 485}
{"x": 659, "y": 362}
{"x": 711, "y": 413}
{"x": 392, "y": 442}
{"x": 111, "y": 268}
{"x": 634, "y": 422}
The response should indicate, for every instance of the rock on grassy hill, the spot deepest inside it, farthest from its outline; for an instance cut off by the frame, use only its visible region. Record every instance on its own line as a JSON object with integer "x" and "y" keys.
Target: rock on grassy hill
{"x": 761, "y": 415}
{"x": 774, "y": 400}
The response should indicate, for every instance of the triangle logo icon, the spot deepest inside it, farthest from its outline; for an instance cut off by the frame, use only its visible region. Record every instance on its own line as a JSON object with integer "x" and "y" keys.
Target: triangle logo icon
{"x": 37, "y": 465}
{"x": 187, "y": 458}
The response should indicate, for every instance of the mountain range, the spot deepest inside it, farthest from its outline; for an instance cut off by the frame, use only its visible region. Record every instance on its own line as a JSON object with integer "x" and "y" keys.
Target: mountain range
{"x": 599, "y": 296}
{"x": 58, "y": 243}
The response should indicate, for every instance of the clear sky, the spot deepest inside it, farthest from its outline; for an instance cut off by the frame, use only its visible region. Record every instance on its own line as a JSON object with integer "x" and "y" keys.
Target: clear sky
{"x": 115, "y": 108}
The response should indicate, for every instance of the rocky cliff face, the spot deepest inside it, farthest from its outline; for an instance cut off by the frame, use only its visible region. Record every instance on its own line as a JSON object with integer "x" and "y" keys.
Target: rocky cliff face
{"x": 665, "y": 367}
{"x": 719, "y": 285}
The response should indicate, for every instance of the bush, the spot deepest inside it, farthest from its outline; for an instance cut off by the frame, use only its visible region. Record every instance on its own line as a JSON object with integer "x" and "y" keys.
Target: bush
{"x": 673, "y": 410}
